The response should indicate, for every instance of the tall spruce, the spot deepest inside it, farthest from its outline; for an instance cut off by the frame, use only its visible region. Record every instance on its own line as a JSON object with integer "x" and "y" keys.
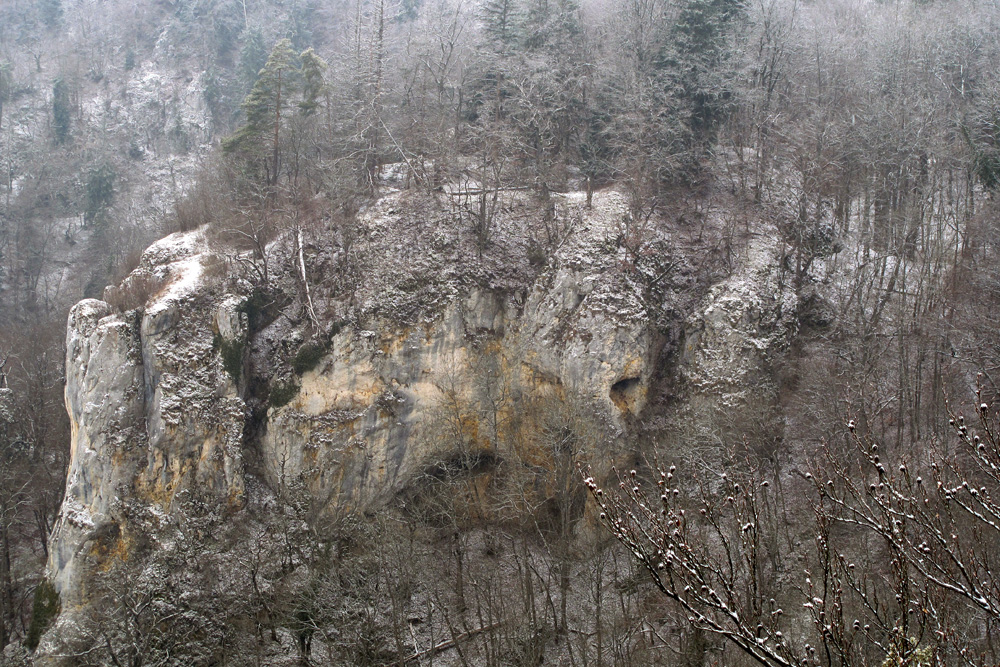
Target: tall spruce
{"x": 697, "y": 57}
{"x": 500, "y": 24}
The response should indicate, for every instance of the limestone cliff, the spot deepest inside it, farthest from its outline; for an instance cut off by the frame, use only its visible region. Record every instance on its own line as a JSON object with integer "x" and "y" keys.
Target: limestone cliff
{"x": 200, "y": 389}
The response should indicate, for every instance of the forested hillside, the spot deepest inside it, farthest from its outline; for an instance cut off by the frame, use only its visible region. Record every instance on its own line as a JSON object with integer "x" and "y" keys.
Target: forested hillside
{"x": 429, "y": 265}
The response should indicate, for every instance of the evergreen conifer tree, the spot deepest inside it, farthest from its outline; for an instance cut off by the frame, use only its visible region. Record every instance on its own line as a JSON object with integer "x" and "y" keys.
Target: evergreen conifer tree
{"x": 60, "y": 110}
{"x": 313, "y": 84}
{"x": 6, "y": 87}
{"x": 258, "y": 140}
{"x": 500, "y": 24}
{"x": 51, "y": 12}
{"x": 695, "y": 58}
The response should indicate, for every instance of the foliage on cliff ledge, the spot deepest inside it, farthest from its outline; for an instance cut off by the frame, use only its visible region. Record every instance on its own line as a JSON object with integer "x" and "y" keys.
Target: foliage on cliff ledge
{"x": 44, "y": 610}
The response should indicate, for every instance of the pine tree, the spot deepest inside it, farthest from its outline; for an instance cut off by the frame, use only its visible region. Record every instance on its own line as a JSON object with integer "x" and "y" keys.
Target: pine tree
{"x": 51, "y": 12}
{"x": 100, "y": 191}
{"x": 697, "y": 56}
{"x": 552, "y": 25}
{"x": 264, "y": 108}
{"x": 253, "y": 57}
{"x": 983, "y": 139}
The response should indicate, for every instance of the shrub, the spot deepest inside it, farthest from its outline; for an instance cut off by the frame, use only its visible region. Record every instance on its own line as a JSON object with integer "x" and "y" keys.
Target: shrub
{"x": 100, "y": 191}
{"x": 129, "y": 262}
{"x": 207, "y": 201}
{"x": 231, "y": 352}
{"x": 61, "y": 110}
{"x": 308, "y": 357}
{"x": 335, "y": 329}
{"x": 258, "y": 308}
{"x": 195, "y": 209}
{"x": 537, "y": 257}
{"x": 133, "y": 292}
{"x": 44, "y": 609}
{"x": 282, "y": 392}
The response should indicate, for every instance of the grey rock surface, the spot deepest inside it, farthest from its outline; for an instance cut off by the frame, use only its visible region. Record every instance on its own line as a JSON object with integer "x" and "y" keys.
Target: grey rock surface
{"x": 158, "y": 417}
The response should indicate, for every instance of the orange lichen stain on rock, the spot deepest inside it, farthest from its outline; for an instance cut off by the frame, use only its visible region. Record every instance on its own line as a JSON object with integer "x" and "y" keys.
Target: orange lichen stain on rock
{"x": 390, "y": 345}
{"x": 633, "y": 367}
{"x": 347, "y": 428}
{"x": 492, "y": 346}
{"x": 365, "y": 396}
{"x": 542, "y": 383}
{"x": 532, "y": 451}
{"x": 119, "y": 458}
{"x": 160, "y": 492}
{"x": 114, "y": 545}
{"x": 208, "y": 449}
{"x": 235, "y": 497}
{"x": 121, "y": 549}
{"x": 160, "y": 483}
{"x": 469, "y": 429}
{"x": 429, "y": 328}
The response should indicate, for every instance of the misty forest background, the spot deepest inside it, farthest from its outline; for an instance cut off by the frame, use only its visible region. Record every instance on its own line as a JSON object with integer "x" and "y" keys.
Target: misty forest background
{"x": 866, "y": 132}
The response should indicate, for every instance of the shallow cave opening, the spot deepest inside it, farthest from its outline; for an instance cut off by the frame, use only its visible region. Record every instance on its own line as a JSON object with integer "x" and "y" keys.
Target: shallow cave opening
{"x": 624, "y": 393}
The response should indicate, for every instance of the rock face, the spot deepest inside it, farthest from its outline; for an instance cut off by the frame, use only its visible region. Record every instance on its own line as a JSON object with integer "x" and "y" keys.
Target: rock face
{"x": 151, "y": 411}
{"x": 104, "y": 398}
{"x": 160, "y": 397}
{"x": 370, "y": 415}
{"x": 742, "y": 322}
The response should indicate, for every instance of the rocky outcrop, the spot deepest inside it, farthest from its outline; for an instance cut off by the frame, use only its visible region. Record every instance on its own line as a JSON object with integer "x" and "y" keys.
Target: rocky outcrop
{"x": 187, "y": 397}
{"x": 105, "y": 401}
{"x": 742, "y": 323}
{"x": 151, "y": 411}
{"x": 369, "y": 416}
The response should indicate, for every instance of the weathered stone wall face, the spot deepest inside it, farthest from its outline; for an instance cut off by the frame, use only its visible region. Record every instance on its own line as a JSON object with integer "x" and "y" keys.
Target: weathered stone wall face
{"x": 157, "y": 412}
